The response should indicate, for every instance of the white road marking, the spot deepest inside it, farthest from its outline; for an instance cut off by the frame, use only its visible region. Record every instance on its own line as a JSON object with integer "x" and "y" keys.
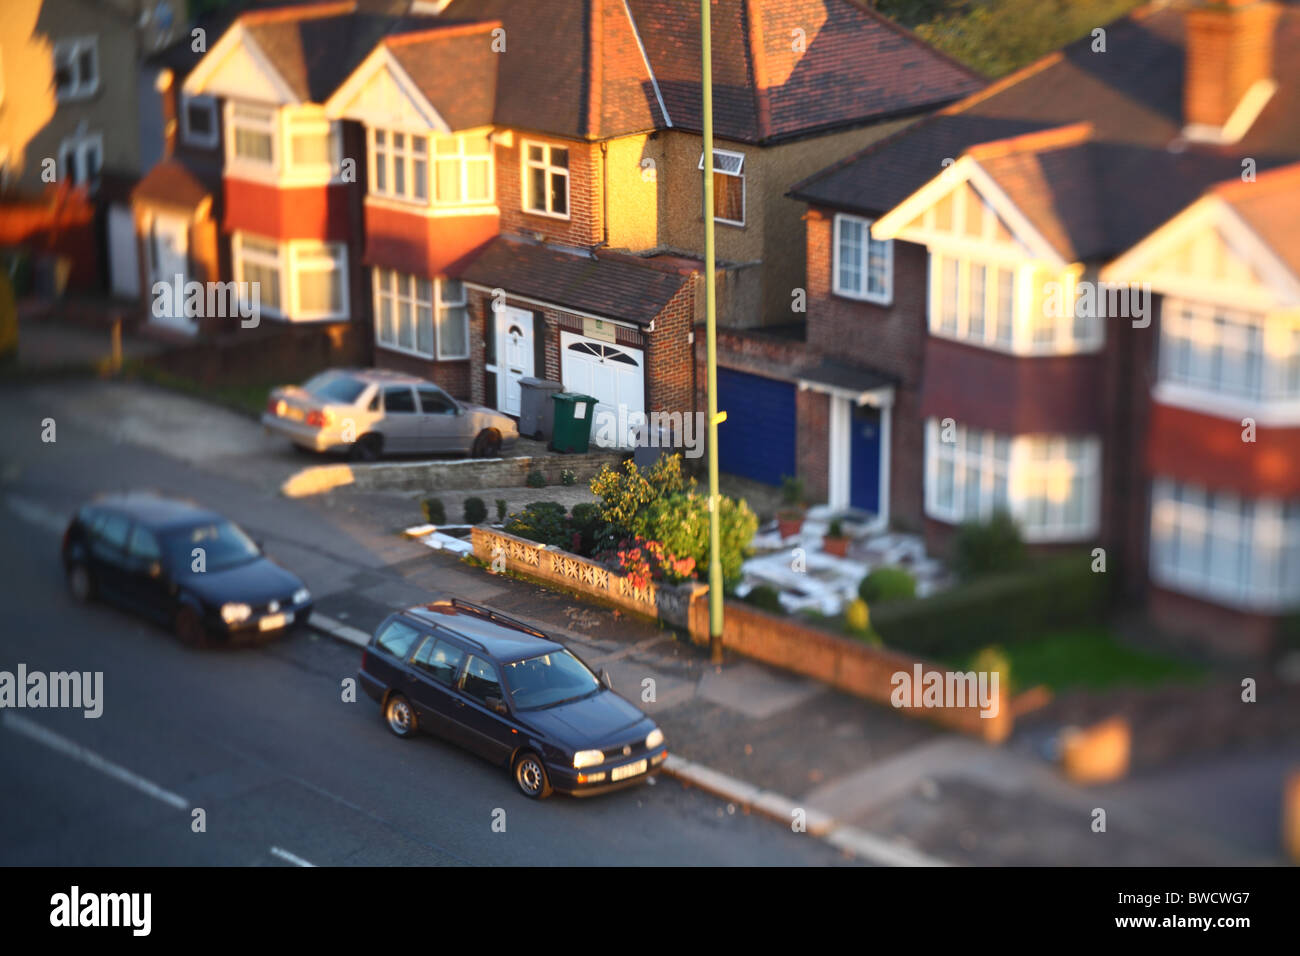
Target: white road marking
{"x": 36, "y": 513}
{"x": 286, "y": 855}
{"x": 344, "y": 632}
{"x": 34, "y": 731}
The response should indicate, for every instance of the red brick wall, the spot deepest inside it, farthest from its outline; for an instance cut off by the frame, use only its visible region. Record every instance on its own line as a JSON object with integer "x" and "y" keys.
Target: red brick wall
{"x": 669, "y": 363}
{"x": 585, "y": 225}
{"x": 452, "y": 376}
{"x": 1228, "y": 632}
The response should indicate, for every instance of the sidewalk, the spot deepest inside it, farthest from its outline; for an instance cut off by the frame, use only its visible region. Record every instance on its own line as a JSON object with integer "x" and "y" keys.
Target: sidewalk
{"x": 892, "y": 788}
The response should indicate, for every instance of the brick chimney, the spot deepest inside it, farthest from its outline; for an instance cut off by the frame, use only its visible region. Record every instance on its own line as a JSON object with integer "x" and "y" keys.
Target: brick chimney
{"x": 1229, "y": 54}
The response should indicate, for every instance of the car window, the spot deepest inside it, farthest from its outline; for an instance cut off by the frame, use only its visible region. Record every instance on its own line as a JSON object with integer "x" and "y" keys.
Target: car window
{"x": 334, "y": 387}
{"x": 434, "y": 401}
{"x": 143, "y": 545}
{"x": 374, "y": 401}
{"x": 222, "y": 544}
{"x": 112, "y": 530}
{"x": 399, "y": 400}
{"x": 439, "y": 660}
{"x": 549, "y": 679}
{"x": 480, "y": 680}
{"x": 398, "y": 639}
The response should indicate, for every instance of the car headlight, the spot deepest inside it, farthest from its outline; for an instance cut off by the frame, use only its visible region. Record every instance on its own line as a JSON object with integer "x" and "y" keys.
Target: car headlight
{"x": 654, "y": 739}
{"x": 588, "y": 758}
{"x": 235, "y": 613}
{"x": 301, "y": 596}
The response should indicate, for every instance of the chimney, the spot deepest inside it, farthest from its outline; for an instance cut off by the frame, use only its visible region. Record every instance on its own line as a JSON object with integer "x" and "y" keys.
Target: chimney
{"x": 165, "y": 85}
{"x": 1229, "y": 55}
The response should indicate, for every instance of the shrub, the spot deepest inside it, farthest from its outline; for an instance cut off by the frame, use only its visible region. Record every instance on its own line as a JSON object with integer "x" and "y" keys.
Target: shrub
{"x": 991, "y": 659}
{"x": 535, "y": 479}
{"x": 501, "y": 510}
{"x": 836, "y": 530}
{"x": 588, "y": 528}
{"x": 992, "y": 548}
{"x": 999, "y": 609}
{"x": 792, "y": 491}
{"x": 766, "y": 597}
{"x": 541, "y": 521}
{"x": 475, "y": 511}
{"x": 887, "y": 584}
{"x": 681, "y": 523}
{"x": 644, "y": 562}
{"x": 434, "y": 511}
{"x": 857, "y": 616}
{"x": 568, "y": 477}
{"x": 625, "y": 494}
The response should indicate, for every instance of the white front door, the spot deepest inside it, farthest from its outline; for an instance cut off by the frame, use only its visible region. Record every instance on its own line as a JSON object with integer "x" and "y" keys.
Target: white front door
{"x": 514, "y": 355}
{"x": 614, "y": 375}
{"x": 123, "y": 248}
{"x": 169, "y": 263}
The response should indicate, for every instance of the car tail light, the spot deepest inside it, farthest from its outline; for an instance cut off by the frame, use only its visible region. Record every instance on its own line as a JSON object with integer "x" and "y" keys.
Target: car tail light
{"x": 277, "y": 406}
{"x": 364, "y": 658}
{"x": 320, "y": 418}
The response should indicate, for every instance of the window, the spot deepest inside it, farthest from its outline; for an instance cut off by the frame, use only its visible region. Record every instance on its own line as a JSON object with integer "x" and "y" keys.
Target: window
{"x": 253, "y": 134}
{"x": 399, "y": 165}
{"x": 439, "y": 660}
{"x": 76, "y": 68}
{"x": 199, "y": 120}
{"x": 863, "y": 267}
{"x": 480, "y": 680}
{"x": 426, "y": 317}
{"x": 111, "y": 531}
{"x": 258, "y": 260}
{"x": 972, "y": 301}
{"x": 318, "y": 271}
{"x": 397, "y": 639}
{"x": 301, "y": 279}
{"x": 462, "y": 169}
{"x": 399, "y": 400}
{"x": 1229, "y": 353}
{"x": 434, "y": 401}
{"x": 728, "y": 186}
{"x": 546, "y": 179}
{"x": 1221, "y": 546}
{"x": 143, "y": 545}
{"x": 314, "y": 146}
{"x": 81, "y": 158}
{"x": 1049, "y": 483}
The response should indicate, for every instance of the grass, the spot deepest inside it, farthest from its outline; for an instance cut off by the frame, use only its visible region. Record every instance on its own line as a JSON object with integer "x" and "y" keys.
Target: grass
{"x": 1088, "y": 658}
{"x": 249, "y": 400}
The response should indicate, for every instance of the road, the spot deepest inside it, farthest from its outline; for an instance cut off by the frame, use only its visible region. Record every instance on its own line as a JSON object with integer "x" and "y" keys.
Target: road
{"x": 284, "y": 770}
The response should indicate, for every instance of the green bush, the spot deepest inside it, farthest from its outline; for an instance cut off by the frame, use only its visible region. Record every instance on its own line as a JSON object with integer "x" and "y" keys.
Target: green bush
{"x": 625, "y": 494}
{"x": 998, "y": 609}
{"x": 434, "y": 511}
{"x": 765, "y": 597}
{"x": 535, "y": 479}
{"x": 991, "y": 659}
{"x": 792, "y": 491}
{"x": 501, "y": 510}
{"x": 887, "y": 584}
{"x": 568, "y": 477}
{"x": 588, "y": 526}
{"x": 542, "y": 521}
{"x": 991, "y": 548}
{"x": 680, "y": 523}
{"x": 475, "y": 511}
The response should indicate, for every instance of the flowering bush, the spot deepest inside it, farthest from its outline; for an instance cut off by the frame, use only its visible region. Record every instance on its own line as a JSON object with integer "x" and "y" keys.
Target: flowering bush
{"x": 644, "y": 562}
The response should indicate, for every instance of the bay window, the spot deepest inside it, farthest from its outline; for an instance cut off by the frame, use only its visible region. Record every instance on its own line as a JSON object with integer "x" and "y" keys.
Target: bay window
{"x": 425, "y": 317}
{"x": 448, "y": 170}
{"x": 1229, "y": 353}
{"x": 301, "y": 279}
{"x": 297, "y": 145}
{"x": 253, "y": 134}
{"x": 863, "y": 267}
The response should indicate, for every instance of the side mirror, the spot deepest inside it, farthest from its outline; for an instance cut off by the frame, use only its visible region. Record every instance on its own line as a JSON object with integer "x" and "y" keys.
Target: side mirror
{"x": 497, "y": 704}
{"x": 606, "y": 679}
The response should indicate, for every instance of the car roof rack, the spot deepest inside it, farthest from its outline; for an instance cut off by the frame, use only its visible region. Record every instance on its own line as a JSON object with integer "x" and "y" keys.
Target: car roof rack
{"x": 498, "y": 617}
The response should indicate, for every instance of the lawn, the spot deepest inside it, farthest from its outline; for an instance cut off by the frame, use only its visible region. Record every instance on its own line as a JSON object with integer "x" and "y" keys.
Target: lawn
{"x": 1087, "y": 658}
{"x": 247, "y": 399}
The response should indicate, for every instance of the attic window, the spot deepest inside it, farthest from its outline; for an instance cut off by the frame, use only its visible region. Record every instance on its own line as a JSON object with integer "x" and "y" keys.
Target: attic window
{"x": 728, "y": 186}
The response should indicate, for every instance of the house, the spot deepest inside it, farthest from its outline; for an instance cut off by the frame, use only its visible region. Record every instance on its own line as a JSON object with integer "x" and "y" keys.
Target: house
{"x": 527, "y": 176}
{"x": 1074, "y": 296}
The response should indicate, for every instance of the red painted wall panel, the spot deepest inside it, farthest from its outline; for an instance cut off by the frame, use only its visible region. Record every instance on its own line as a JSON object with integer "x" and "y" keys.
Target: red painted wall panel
{"x": 1209, "y": 451}
{"x": 299, "y": 212}
{"x": 423, "y": 245}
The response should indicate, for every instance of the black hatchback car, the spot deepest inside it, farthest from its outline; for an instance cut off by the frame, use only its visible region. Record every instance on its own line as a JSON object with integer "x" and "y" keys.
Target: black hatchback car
{"x": 507, "y": 692}
{"x": 181, "y": 565}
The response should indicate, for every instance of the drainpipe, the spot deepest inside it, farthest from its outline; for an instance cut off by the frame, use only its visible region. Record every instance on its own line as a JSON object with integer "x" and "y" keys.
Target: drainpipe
{"x": 165, "y": 85}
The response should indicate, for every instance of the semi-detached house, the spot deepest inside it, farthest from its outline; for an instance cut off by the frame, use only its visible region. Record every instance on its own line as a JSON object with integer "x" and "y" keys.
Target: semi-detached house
{"x": 500, "y": 189}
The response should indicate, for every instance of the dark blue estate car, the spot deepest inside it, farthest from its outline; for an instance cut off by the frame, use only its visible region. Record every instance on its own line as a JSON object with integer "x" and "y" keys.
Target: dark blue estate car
{"x": 184, "y": 566}
{"x": 507, "y": 692}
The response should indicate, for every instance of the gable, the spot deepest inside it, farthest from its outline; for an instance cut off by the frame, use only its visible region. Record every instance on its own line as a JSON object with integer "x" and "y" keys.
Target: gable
{"x": 380, "y": 93}
{"x": 237, "y": 69}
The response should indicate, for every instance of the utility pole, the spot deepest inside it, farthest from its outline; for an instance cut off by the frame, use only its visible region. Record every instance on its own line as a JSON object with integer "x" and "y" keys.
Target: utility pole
{"x": 711, "y": 331}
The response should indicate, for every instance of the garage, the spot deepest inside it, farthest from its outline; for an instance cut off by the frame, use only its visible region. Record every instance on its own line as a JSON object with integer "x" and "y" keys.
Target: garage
{"x": 758, "y": 438}
{"x": 612, "y": 374}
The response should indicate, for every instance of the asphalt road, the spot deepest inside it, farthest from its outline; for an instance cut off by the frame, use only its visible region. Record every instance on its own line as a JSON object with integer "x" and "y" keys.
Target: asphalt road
{"x": 285, "y": 771}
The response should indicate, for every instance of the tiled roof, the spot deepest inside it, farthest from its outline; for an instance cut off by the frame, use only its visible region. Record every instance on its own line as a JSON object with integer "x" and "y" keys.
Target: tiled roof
{"x": 455, "y": 68}
{"x": 1271, "y": 207}
{"x": 181, "y": 184}
{"x": 613, "y": 286}
{"x": 1090, "y": 198}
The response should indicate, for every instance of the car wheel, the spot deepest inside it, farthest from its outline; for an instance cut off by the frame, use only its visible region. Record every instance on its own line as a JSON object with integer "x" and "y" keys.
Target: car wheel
{"x": 80, "y": 584}
{"x": 530, "y": 776}
{"x": 400, "y": 716}
{"x": 367, "y": 448}
{"x": 189, "y": 627}
{"x": 486, "y": 445}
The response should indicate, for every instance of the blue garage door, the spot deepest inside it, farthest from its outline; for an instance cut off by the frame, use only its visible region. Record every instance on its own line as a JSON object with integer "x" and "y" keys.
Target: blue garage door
{"x": 757, "y": 439}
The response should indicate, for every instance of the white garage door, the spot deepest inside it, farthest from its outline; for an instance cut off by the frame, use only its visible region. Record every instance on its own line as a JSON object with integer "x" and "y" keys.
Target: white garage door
{"x": 612, "y": 374}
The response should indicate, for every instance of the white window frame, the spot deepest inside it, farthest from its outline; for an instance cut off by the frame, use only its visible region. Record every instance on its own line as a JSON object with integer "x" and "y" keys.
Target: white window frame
{"x": 1255, "y": 534}
{"x": 526, "y": 164}
{"x": 436, "y": 304}
{"x": 291, "y": 259}
{"x": 297, "y": 123}
{"x": 208, "y": 103}
{"x": 237, "y": 114}
{"x": 864, "y": 263}
{"x": 392, "y": 157}
{"x": 737, "y": 173}
{"x": 282, "y": 124}
{"x": 81, "y": 144}
{"x": 463, "y": 159}
{"x": 72, "y": 47}
{"x": 1022, "y": 469}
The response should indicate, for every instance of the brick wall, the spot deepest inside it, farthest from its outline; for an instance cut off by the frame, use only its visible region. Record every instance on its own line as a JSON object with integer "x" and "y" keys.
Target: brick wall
{"x": 585, "y": 225}
{"x": 670, "y": 368}
{"x": 454, "y": 377}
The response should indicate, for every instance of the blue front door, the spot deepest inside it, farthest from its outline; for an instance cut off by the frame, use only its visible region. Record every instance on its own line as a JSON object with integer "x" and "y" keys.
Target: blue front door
{"x": 864, "y": 458}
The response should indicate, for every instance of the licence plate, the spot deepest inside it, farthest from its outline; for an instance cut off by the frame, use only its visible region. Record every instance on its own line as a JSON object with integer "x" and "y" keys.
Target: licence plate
{"x": 627, "y": 770}
{"x": 273, "y": 621}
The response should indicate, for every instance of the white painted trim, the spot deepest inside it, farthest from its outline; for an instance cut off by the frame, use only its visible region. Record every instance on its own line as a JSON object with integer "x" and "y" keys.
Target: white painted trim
{"x": 887, "y": 298}
{"x": 524, "y": 186}
{"x": 838, "y": 459}
{"x": 235, "y": 38}
{"x": 1239, "y": 122}
{"x": 431, "y": 212}
{"x": 654, "y": 82}
{"x": 339, "y": 105}
{"x": 886, "y": 459}
{"x": 739, "y": 174}
{"x": 568, "y": 310}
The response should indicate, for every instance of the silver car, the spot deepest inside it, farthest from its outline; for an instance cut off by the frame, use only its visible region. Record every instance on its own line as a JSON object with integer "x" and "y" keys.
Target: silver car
{"x": 367, "y": 413}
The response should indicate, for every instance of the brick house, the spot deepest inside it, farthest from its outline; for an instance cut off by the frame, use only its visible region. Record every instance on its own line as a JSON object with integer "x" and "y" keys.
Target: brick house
{"x": 527, "y": 175}
{"x": 949, "y": 274}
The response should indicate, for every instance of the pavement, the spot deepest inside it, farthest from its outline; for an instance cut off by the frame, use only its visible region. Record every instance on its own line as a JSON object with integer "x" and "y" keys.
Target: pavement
{"x": 859, "y": 780}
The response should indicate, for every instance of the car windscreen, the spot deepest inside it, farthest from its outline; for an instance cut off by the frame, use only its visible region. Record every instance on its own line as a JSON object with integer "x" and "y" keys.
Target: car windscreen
{"x": 334, "y": 387}
{"x": 549, "y": 679}
{"x": 211, "y": 546}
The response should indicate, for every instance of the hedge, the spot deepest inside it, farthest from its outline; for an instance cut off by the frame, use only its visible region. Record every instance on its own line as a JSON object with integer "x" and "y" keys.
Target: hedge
{"x": 1056, "y": 592}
